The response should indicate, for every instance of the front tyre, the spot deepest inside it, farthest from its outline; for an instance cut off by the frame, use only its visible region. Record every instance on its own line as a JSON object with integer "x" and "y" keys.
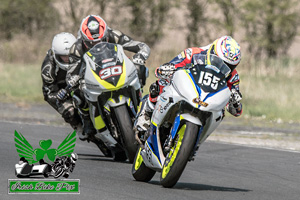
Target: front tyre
{"x": 125, "y": 125}
{"x": 139, "y": 170}
{"x": 179, "y": 154}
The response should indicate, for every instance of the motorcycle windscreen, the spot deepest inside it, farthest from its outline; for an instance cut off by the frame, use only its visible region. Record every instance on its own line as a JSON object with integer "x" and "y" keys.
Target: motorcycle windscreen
{"x": 209, "y": 72}
{"x": 107, "y": 65}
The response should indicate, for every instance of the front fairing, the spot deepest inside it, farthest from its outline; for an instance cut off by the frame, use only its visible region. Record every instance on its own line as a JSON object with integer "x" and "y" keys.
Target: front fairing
{"x": 107, "y": 68}
{"x": 204, "y": 85}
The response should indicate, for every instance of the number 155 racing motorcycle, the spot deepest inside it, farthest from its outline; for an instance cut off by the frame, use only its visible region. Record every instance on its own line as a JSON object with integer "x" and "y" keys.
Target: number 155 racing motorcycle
{"x": 188, "y": 110}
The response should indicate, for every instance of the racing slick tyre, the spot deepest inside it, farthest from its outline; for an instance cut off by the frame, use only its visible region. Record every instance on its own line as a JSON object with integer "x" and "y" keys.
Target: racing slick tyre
{"x": 139, "y": 170}
{"x": 179, "y": 154}
{"x": 120, "y": 156}
{"x": 126, "y": 128}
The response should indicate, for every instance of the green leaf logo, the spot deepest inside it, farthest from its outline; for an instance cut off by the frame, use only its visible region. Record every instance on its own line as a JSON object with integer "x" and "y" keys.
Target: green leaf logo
{"x": 45, "y": 144}
{"x": 51, "y": 153}
{"x": 25, "y": 150}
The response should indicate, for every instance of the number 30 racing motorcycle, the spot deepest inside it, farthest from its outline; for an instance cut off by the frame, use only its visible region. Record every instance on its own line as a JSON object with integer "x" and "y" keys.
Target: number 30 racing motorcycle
{"x": 111, "y": 87}
{"x": 186, "y": 113}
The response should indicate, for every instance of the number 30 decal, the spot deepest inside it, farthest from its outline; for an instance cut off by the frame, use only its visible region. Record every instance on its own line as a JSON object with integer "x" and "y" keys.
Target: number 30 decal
{"x": 209, "y": 79}
{"x": 110, "y": 71}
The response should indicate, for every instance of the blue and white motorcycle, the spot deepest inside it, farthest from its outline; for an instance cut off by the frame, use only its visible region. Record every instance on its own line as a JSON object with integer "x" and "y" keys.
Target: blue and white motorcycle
{"x": 186, "y": 113}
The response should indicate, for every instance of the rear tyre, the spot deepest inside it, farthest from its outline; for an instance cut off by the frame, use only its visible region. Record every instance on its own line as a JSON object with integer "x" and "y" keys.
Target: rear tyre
{"x": 120, "y": 156}
{"x": 126, "y": 128}
{"x": 139, "y": 170}
{"x": 179, "y": 154}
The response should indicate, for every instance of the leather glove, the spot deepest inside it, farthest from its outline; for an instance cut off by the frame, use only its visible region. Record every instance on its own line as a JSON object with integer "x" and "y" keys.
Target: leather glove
{"x": 165, "y": 71}
{"x": 234, "y": 105}
{"x": 138, "y": 59}
{"x": 73, "y": 81}
{"x": 62, "y": 94}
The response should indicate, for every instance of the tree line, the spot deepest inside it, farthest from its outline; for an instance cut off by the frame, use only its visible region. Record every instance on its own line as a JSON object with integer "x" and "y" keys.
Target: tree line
{"x": 268, "y": 27}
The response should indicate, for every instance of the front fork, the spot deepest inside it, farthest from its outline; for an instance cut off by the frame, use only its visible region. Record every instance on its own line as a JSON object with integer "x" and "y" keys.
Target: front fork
{"x": 169, "y": 141}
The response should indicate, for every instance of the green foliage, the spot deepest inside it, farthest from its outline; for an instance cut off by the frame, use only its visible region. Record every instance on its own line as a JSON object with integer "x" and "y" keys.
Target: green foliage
{"x": 26, "y": 16}
{"x": 20, "y": 83}
{"x": 271, "y": 26}
{"x": 270, "y": 89}
{"x": 148, "y": 18}
{"x": 229, "y": 15}
{"x": 197, "y": 23}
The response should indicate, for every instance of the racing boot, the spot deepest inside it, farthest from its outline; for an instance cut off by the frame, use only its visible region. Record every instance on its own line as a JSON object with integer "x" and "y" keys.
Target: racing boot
{"x": 88, "y": 128}
{"x": 143, "y": 120}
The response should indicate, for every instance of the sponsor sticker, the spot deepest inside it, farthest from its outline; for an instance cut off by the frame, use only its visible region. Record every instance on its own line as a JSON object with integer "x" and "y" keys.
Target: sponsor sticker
{"x": 201, "y": 103}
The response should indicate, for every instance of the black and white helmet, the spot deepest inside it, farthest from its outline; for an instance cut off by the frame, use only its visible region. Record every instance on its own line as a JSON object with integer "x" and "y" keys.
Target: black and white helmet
{"x": 61, "y": 45}
{"x": 74, "y": 157}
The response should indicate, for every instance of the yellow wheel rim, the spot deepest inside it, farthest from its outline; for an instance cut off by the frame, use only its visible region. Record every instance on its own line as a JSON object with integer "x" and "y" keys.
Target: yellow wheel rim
{"x": 139, "y": 160}
{"x": 173, "y": 152}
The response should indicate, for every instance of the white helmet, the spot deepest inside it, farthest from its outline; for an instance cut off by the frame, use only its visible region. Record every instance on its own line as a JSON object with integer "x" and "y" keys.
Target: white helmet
{"x": 61, "y": 45}
{"x": 74, "y": 157}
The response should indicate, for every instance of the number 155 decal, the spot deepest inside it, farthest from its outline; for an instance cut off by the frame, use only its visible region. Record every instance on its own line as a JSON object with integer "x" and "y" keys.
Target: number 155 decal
{"x": 110, "y": 71}
{"x": 209, "y": 79}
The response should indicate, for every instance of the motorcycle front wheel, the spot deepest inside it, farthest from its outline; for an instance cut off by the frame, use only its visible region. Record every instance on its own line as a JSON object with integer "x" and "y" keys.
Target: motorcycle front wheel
{"x": 125, "y": 125}
{"x": 139, "y": 170}
{"x": 179, "y": 154}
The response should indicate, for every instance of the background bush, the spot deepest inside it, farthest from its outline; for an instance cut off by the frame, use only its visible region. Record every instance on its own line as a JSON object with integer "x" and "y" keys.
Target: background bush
{"x": 266, "y": 31}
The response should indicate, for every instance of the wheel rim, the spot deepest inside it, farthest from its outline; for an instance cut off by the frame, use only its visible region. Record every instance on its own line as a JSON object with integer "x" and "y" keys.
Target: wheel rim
{"x": 138, "y": 160}
{"x": 173, "y": 152}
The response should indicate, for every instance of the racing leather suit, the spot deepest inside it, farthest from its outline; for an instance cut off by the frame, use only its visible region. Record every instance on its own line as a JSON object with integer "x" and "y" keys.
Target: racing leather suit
{"x": 54, "y": 79}
{"x": 185, "y": 58}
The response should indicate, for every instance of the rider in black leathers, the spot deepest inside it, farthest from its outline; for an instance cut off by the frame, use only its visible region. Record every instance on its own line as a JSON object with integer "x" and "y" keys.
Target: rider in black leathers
{"x": 53, "y": 72}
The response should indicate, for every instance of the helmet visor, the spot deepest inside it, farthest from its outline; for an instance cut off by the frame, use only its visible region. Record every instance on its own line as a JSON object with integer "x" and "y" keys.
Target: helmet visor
{"x": 89, "y": 44}
{"x": 63, "y": 59}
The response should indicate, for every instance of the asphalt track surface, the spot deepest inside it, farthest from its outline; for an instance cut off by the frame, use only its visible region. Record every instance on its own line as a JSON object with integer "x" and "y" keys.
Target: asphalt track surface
{"x": 219, "y": 172}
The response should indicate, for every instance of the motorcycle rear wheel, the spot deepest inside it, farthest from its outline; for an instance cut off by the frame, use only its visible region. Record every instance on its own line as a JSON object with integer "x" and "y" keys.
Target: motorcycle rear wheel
{"x": 179, "y": 154}
{"x": 126, "y": 126}
{"x": 139, "y": 170}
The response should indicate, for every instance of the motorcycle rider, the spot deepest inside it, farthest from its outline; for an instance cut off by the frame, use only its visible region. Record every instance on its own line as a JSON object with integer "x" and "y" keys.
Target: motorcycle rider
{"x": 224, "y": 47}
{"x": 53, "y": 72}
{"x": 66, "y": 163}
{"x": 93, "y": 29}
